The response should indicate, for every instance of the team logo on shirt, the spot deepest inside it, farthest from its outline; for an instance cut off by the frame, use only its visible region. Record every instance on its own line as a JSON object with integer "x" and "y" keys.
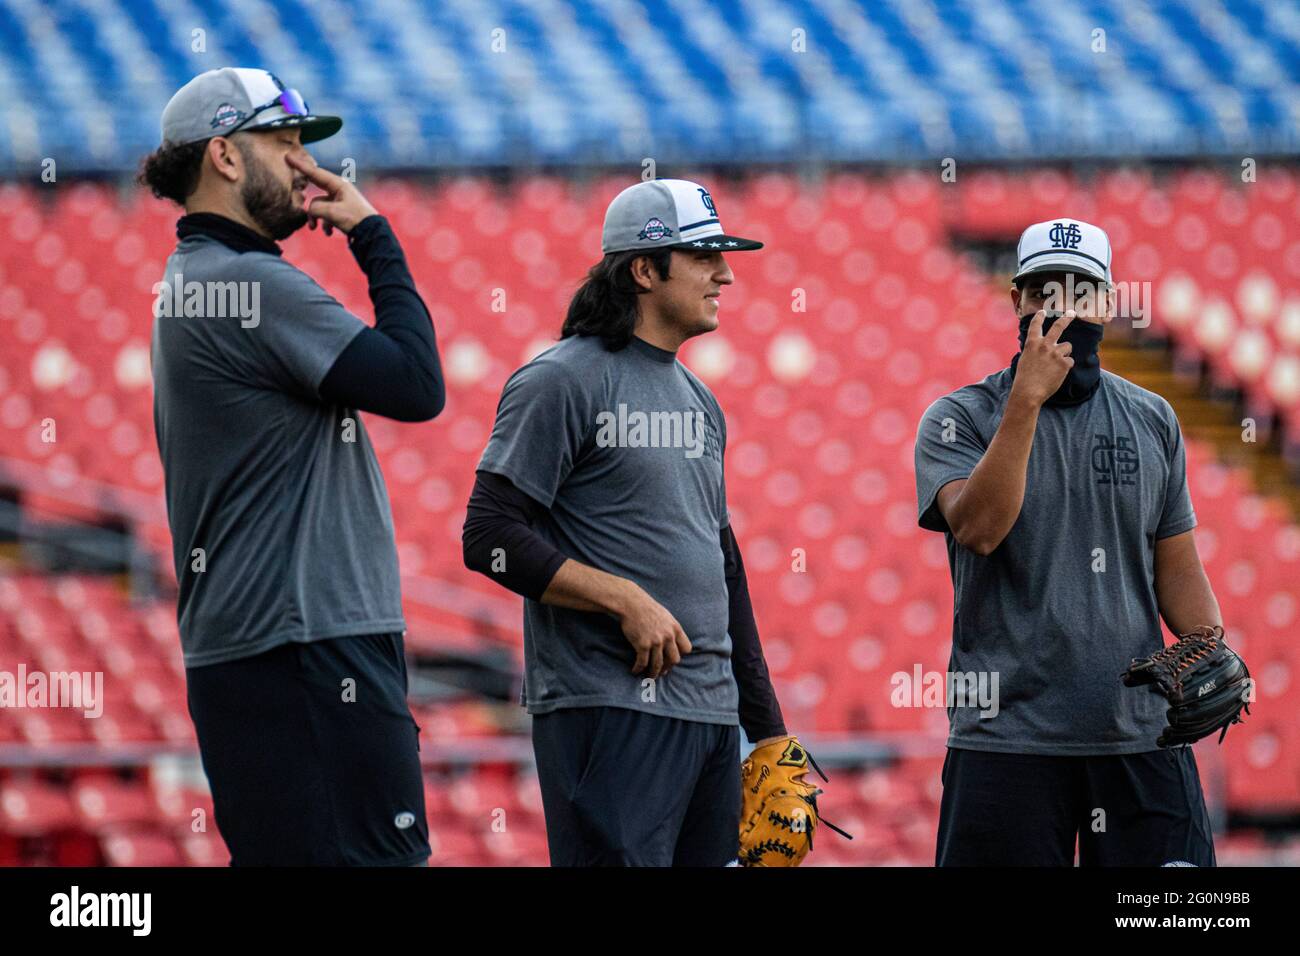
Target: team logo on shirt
{"x": 1114, "y": 459}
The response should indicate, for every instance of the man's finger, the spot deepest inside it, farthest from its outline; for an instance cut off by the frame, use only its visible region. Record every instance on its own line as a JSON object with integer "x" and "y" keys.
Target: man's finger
{"x": 656, "y": 661}
{"x": 318, "y": 175}
{"x": 642, "y": 656}
{"x": 683, "y": 642}
{"x": 1054, "y": 333}
{"x": 672, "y": 657}
{"x": 1036, "y": 324}
{"x": 320, "y": 207}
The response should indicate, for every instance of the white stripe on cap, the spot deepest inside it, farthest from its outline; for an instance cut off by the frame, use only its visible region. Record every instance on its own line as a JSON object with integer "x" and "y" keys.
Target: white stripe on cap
{"x": 258, "y": 86}
{"x": 696, "y": 215}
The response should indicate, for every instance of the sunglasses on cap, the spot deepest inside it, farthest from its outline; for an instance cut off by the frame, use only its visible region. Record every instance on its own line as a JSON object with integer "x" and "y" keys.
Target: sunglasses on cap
{"x": 290, "y": 101}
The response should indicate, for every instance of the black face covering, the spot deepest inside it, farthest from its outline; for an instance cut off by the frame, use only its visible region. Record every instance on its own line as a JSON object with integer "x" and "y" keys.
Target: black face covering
{"x": 1082, "y": 380}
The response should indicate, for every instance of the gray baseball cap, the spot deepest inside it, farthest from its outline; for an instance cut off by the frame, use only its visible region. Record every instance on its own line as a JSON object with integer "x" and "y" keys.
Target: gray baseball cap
{"x": 667, "y": 214}
{"x": 224, "y": 101}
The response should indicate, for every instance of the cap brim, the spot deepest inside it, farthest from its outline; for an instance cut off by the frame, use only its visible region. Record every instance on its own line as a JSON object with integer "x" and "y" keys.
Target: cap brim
{"x": 314, "y": 128}
{"x": 1067, "y": 263}
{"x": 723, "y": 243}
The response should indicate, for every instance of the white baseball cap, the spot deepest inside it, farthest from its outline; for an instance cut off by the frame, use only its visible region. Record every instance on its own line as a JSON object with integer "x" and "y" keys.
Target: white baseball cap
{"x": 1064, "y": 245}
{"x": 667, "y": 214}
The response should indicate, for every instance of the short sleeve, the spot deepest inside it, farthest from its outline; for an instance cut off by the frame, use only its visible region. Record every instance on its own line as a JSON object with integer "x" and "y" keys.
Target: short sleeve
{"x": 948, "y": 447}
{"x": 1177, "y": 515}
{"x": 542, "y": 425}
{"x": 300, "y": 330}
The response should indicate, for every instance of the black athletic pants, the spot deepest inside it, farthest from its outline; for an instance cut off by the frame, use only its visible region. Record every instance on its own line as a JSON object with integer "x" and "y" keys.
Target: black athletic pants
{"x": 625, "y": 788}
{"x": 1142, "y": 809}
{"x": 312, "y": 754}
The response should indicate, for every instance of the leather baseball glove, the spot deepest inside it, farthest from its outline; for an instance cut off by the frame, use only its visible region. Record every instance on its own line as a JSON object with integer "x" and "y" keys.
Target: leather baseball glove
{"x": 1204, "y": 680}
{"x": 779, "y": 815}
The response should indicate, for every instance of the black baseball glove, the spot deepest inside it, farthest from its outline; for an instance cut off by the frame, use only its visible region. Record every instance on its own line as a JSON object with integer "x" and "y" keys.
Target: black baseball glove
{"x": 1204, "y": 680}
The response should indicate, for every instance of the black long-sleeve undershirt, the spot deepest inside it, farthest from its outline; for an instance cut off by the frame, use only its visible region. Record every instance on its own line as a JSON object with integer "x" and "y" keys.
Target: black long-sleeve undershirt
{"x": 760, "y": 711}
{"x": 500, "y": 516}
{"x": 391, "y": 369}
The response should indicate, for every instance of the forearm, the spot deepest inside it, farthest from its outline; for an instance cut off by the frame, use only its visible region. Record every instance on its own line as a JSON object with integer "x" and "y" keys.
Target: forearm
{"x": 1186, "y": 599}
{"x": 499, "y": 542}
{"x": 392, "y": 369}
{"x": 990, "y": 501}
{"x": 583, "y": 588}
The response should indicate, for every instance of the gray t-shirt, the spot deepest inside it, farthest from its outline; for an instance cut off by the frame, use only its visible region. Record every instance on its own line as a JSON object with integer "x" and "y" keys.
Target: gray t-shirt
{"x": 1105, "y": 480}
{"x": 577, "y": 430}
{"x": 292, "y": 518}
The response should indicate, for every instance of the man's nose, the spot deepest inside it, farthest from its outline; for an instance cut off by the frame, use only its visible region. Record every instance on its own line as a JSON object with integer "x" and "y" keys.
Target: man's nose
{"x": 723, "y": 274}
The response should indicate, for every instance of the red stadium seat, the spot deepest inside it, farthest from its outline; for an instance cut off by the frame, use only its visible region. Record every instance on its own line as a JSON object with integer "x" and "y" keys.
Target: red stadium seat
{"x": 822, "y": 406}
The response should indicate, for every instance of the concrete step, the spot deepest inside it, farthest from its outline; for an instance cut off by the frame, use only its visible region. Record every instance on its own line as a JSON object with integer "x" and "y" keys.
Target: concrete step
{"x": 1214, "y": 422}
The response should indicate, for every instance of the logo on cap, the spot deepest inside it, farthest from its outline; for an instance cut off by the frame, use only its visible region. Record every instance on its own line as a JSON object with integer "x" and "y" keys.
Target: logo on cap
{"x": 655, "y": 229}
{"x": 708, "y": 202}
{"x": 226, "y": 115}
{"x": 1065, "y": 237}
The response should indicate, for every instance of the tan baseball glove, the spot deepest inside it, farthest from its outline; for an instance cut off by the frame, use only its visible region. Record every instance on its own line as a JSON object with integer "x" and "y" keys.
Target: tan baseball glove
{"x": 778, "y": 814}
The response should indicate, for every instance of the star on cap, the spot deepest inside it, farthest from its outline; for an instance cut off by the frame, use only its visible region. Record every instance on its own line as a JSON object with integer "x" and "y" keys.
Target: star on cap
{"x": 698, "y": 245}
{"x": 715, "y": 245}
{"x": 733, "y": 243}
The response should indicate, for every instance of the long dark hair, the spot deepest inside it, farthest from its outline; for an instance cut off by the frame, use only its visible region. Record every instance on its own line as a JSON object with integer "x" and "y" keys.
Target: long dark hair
{"x": 172, "y": 172}
{"x": 605, "y": 304}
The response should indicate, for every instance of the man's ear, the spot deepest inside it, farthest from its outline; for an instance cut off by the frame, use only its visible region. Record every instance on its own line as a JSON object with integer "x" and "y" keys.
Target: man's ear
{"x": 1015, "y": 298}
{"x": 643, "y": 272}
{"x": 224, "y": 157}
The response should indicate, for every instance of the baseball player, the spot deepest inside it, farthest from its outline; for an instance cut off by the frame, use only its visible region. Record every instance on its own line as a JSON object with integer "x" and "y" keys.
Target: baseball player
{"x": 1061, "y": 490}
{"x": 290, "y": 606}
{"x": 600, "y": 498}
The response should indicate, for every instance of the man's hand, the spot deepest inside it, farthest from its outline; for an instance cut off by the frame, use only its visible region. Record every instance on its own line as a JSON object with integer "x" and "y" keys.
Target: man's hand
{"x": 654, "y": 634}
{"x": 342, "y": 206}
{"x": 1044, "y": 361}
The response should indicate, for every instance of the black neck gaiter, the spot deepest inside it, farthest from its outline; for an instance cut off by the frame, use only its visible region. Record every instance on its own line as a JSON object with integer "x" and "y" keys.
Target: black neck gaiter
{"x": 1082, "y": 380}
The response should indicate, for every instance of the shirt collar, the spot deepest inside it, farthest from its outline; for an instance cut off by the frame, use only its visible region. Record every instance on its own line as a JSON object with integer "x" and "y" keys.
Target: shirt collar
{"x": 229, "y": 233}
{"x": 653, "y": 351}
